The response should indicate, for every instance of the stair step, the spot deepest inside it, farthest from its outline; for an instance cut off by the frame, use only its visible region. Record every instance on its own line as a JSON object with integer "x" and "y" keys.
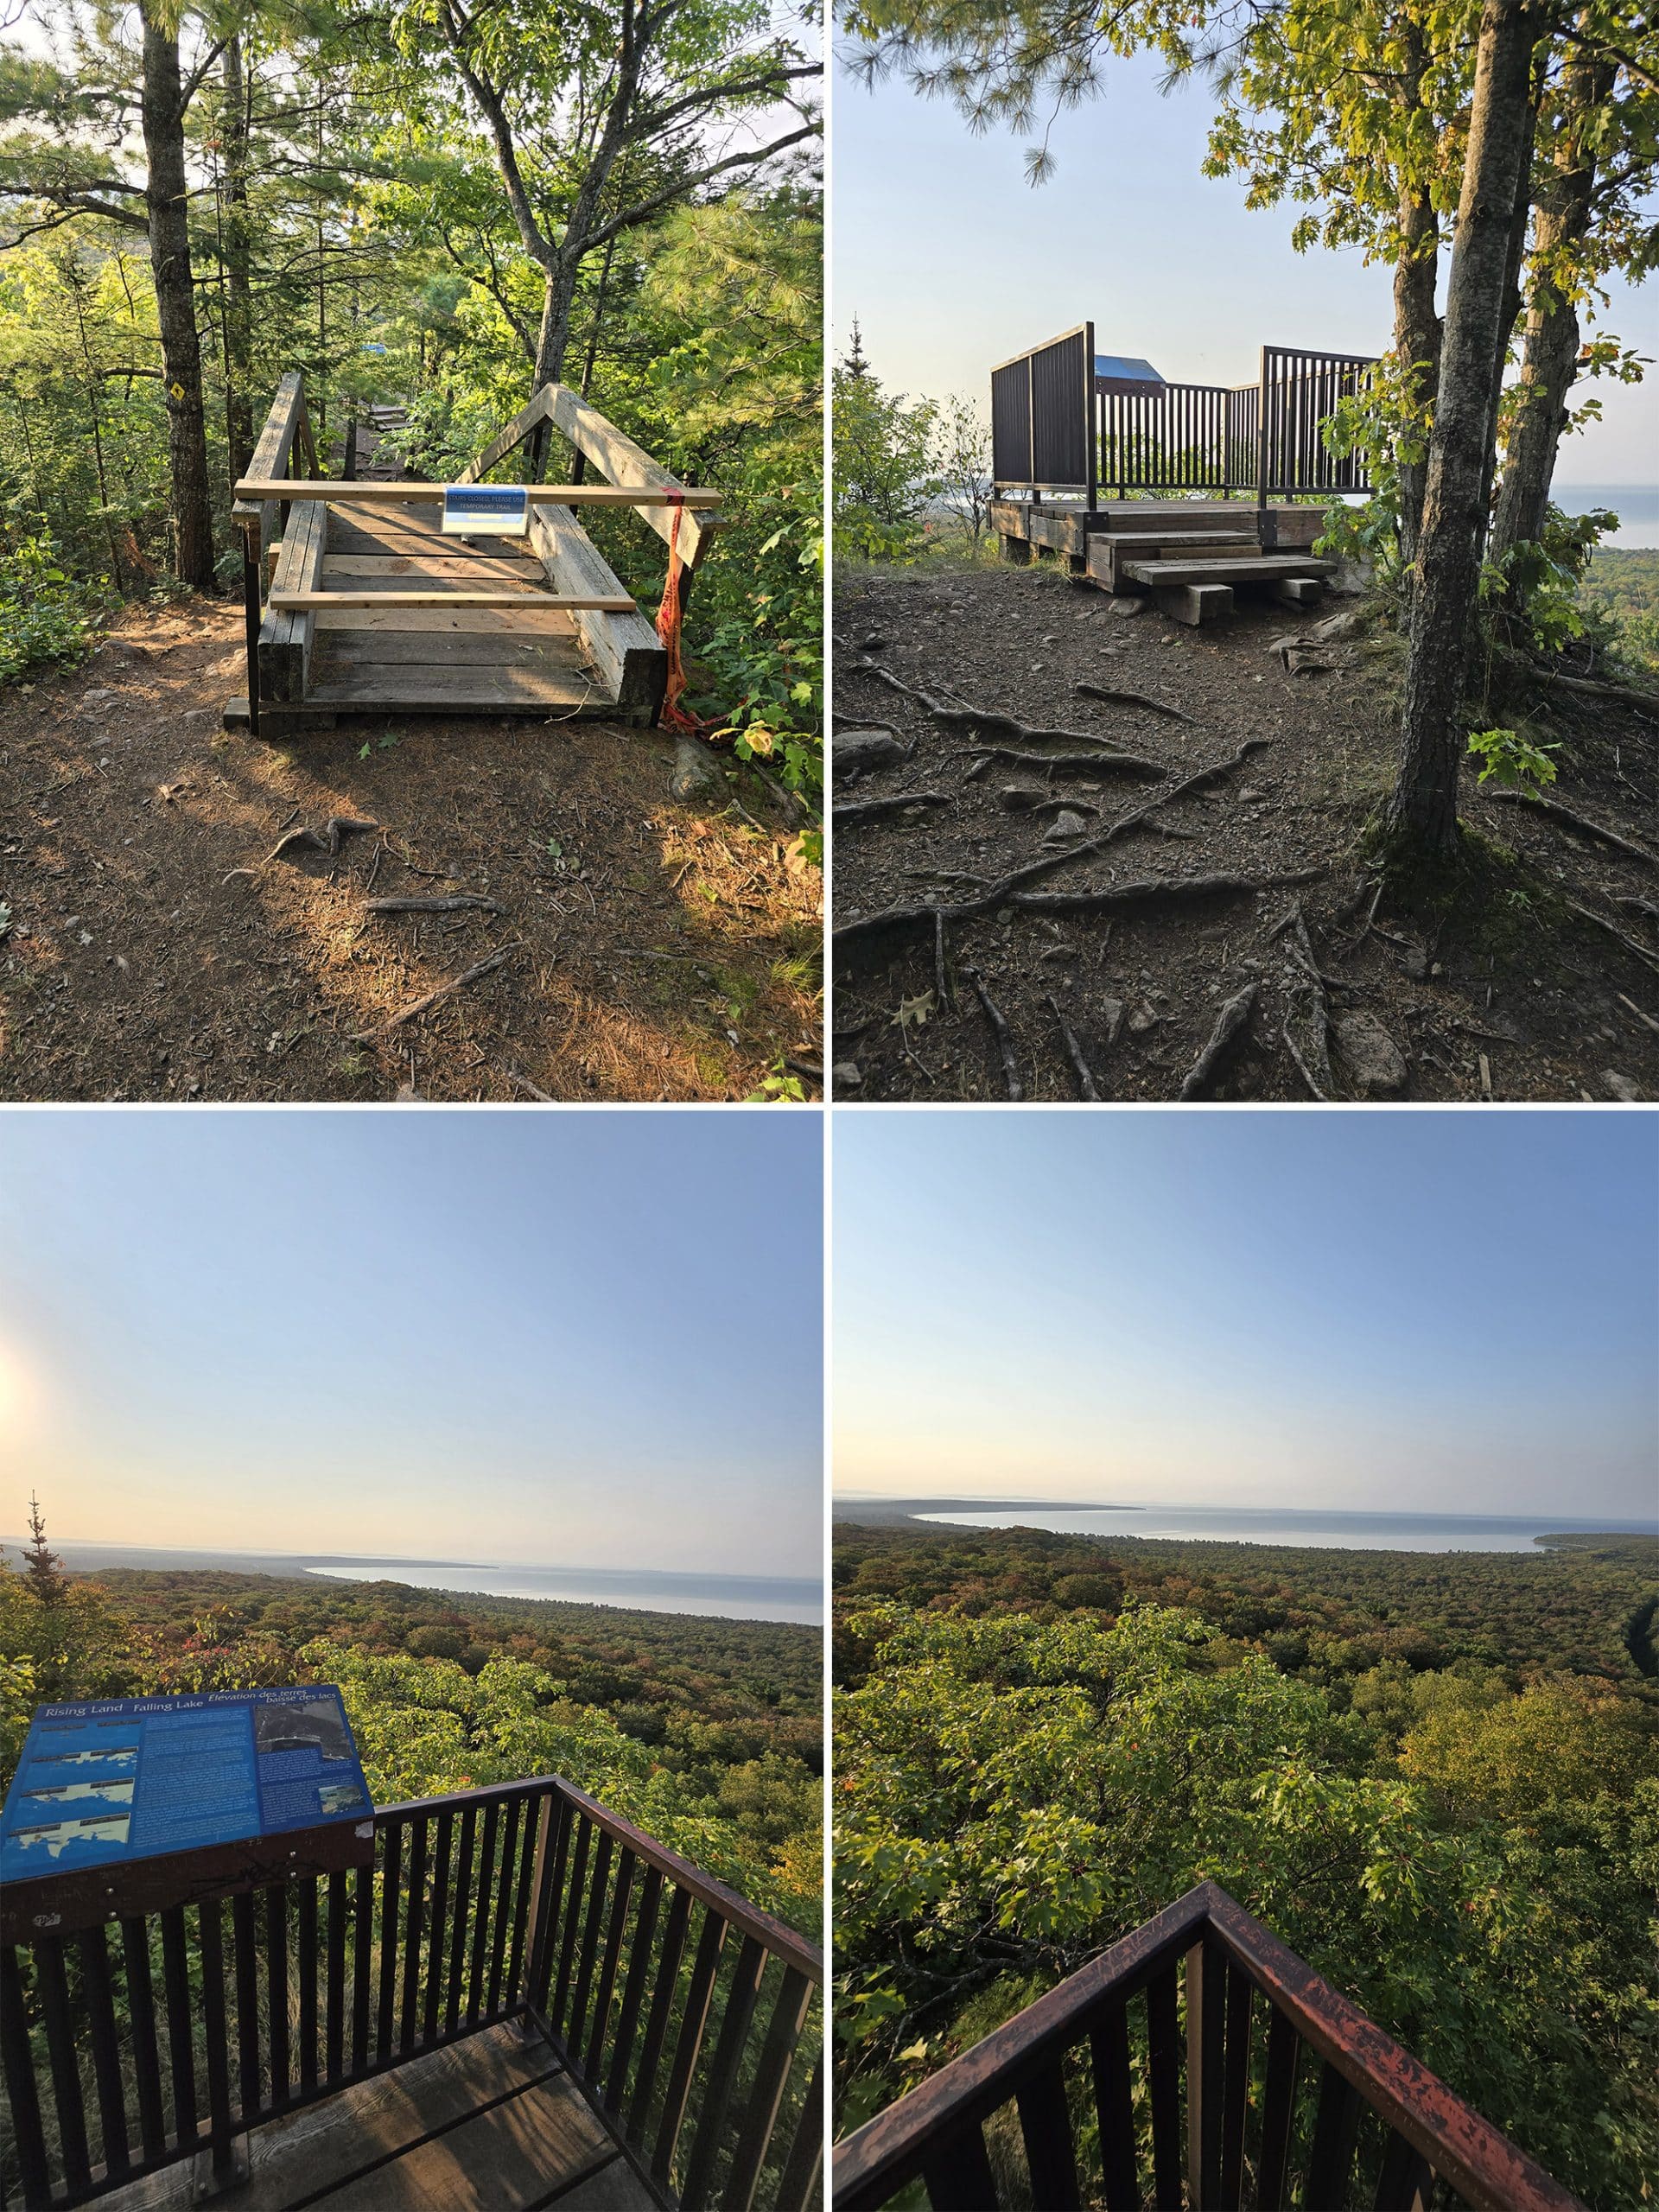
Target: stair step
{"x": 1260, "y": 568}
{"x": 1110, "y": 552}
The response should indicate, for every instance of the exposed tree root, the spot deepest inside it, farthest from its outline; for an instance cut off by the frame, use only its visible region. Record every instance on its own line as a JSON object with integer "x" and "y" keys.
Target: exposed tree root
{"x": 1135, "y": 699}
{"x": 1581, "y": 822}
{"x": 1308, "y": 1017}
{"x": 941, "y": 986}
{"x": 326, "y": 839}
{"x": 484, "y": 967}
{"x": 853, "y": 811}
{"x": 1003, "y": 1034}
{"x": 1638, "y": 951}
{"x": 1080, "y": 1067}
{"x": 458, "y": 902}
{"x": 1225, "y": 1039}
{"x": 967, "y": 717}
{"x": 1593, "y": 688}
{"x": 1061, "y": 764}
{"x": 1151, "y": 889}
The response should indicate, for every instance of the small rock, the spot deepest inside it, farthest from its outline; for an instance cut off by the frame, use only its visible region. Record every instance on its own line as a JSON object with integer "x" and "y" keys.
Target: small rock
{"x": 846, "y": 1076}
{"x": 1437, "y": 968}
{"x": 1374, "y": 1061}
{"x": 1111, "y": 1013}
{"x": 96, "y": 699}
{"x": 695, "y": 775}
{"x": 1141, "y": 1018}
{"x": 1621, "y": 1086}
{"x": 1248, "y": 793}
{"x": 873, "y": 643}
{"x": 1127, "y": 607}
{"x": 1065, "y": 826}
{"x": 1415, "y": 962}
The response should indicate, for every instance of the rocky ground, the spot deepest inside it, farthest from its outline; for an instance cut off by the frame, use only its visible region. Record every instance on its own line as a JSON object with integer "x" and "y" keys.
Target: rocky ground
{"x": 1211, "y": 929}
{"x": 160, "y": 940}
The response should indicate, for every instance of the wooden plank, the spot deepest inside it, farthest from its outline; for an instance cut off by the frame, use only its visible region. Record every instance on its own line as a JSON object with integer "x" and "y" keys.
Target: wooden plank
{"x": 541, "y": 619}
{"x": 413, "y": 688}
{"x": 624, "y": 647}
{"x": 476, "y": 566}
{"x": 573, "y": 603}
{"x": 526, "y": 420}
{"x": 1109, "y": 553}
{"x": 1193, "y": 603}
{"x": 618, "y": 458}
{"x": 270, "y": 456}
{"x": 286, "y": 635}
{"x": 663, "y": 494}
{"x": 1265, "y": 569}
{"x": 555, "y": 654}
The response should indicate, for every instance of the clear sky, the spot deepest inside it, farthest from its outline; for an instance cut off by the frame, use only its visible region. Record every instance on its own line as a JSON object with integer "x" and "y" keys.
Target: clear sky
{"x": 951, "y": 261}
{"x": 583, "y": 1338}
{"x": 1368, "y": 1311}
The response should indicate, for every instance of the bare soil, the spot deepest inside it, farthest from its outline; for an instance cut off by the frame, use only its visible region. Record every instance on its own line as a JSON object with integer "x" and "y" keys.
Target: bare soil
{"x": 156, "y": 950}
{"x": 1485, "y": 984}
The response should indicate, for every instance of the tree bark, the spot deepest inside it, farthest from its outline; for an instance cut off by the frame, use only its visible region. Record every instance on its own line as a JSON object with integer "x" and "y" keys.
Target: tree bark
{"x": 1416, "y": 320}
{"x": 239, "y": 287}
{"x": 167, "y": 203}
{"x": 1550, "y": 357}
{"x": 1423, "y": 811}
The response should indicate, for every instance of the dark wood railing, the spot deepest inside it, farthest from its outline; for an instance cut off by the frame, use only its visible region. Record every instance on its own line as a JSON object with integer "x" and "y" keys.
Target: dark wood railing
{"x": 1199, "y": 2064}
{"x": 690, "y": 2019}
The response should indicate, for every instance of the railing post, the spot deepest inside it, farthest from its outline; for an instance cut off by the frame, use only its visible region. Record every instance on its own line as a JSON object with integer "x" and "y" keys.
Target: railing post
{"x": 1205, "y": 1987}
{"x": 536, "y": 1926}
{"x": 250, "y": 619}
{"x": 1268, "y": 527}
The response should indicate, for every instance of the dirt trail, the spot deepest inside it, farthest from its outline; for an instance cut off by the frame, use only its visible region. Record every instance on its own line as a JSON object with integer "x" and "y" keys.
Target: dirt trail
{"x": 1503, "y": 990}
{"x": 654, "y": 950}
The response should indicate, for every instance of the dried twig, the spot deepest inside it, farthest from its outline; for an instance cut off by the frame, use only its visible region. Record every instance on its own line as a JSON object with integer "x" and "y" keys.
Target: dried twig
{"x": 326, "y": 839}
{"x": 1225, "y": 1039}
{"x": 1080, "y": 1066}
{"x": 484, "y": 967}
{"x": 1004, "y": 1035}
{"x": 1135, "y": 699}
{"x": 458, "y": 902}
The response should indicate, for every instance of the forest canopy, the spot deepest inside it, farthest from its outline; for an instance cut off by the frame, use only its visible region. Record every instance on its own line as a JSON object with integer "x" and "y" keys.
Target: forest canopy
{"x": 1436, "y": 1776}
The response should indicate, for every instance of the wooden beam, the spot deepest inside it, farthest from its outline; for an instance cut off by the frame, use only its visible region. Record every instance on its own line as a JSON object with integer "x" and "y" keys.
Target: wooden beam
{"x": 285, "y": 639}
{"x": 593, "y": 495}
{"x": 623, "y": 462}
{"x": 523, "y": 423}
{"x": 623, "y": 648}
{"x": 616, "y": 603}
{"x": 270, "y": 456}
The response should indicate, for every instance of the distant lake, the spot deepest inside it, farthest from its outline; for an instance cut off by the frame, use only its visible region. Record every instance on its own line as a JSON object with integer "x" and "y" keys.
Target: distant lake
{"x": 1322, "y": 1531}
{"x": 1636, "y": 506}
{"x": 728, "y": 1597}
{"x": 724, "y": 1597}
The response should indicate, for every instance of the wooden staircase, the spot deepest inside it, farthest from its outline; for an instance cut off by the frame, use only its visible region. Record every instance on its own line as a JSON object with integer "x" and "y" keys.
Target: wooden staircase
{"x": 1192, "y": 556}
{"x": 363, "y": 606}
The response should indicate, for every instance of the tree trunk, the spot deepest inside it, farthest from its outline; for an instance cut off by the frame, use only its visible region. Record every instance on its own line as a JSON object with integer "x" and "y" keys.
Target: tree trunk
{"x": 1423, "y": 811}
{"x": 1549, "y": 362}
{"x": 238, "y": 286}
{"x": 1416, "y": 342}
{"x": 175, "y": 307}
{"x": 1509, "y": 317}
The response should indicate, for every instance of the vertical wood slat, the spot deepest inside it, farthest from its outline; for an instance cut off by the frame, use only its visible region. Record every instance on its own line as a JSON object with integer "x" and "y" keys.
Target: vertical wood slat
{"x": 1335, "y": 2125}
{"x": 624, "y": 1891}
{"x": 276, "y": 1989}
{"x": 458, "y": 1921}
{"x": 1405, "y": 2180}
{"x": 435, "y": 1952}
{"x": 210, "y": 1944}
{"x": 742, "y": 1997}
{"x": 483, "y": 1901}
{"x": 334, "y": 2054}
{"x": 180, "y": 2050}
{"x": 800, "y": 2174}
{"x": 1164, "y": 2074}
{"x": 362, "y": 1963}
{"x": 662, "y": 1999}
{"x": 1235, "y": 2086}
{"x": 306, "y": 1912}
{"x": 1108, "y": 2048}
{"x": 94, "y": 1949}
{"x": 597, "y": 1888}
{"x": 506, "y": 1905}
{"x": 693, "y": 2021}
{"x": 146, "y": 2052}
{"x": 766, "y": 2093}
{"x": 572, "y": 1919}
{"x": 408, "y": 2023}
{"x": 391, "y": 1865}
{"x": 537, "y": 1811}
{"x": 644, "y": 1929}
{"x": 1046, "y": 2125}
{"x": 244, "y": 1951}
{"x": 550, "y": 1859}
{"x": 1278, "y": 2108}
{"x": 958, "y": 2177}
{"x": 1206, "y": 1974}
{"x": 22, "y": 2092}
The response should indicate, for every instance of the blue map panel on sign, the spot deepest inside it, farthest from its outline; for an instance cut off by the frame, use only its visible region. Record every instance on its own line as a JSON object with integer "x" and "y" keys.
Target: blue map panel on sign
{"x": 486, "y": 509}
{"x": 100, "y": 1785}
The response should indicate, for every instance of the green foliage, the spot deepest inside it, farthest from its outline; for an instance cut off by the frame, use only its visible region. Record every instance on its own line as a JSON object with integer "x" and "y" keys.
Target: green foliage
{"x": 884, "y": 475}
{"x": 48, "y": 616}
{"x": 1512, "y": 759}
{"x": 1621, "y": 587}
{"x": 1013, "y": 1794}
{"x": 1387, "y": 426}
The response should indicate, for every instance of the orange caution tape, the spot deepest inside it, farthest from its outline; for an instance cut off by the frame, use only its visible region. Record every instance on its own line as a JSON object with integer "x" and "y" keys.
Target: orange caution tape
{"x": 674, "y": 715}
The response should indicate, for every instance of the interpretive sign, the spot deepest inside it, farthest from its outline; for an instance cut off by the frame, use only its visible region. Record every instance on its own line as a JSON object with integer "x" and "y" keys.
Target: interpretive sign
{"x": 484, "y": 510}
{"x": 230, "y": 1788}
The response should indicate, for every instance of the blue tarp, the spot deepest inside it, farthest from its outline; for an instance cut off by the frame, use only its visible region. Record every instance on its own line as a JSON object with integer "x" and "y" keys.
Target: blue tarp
{"x": 1127, "y": 367}
{"x": 99, "y": 1785}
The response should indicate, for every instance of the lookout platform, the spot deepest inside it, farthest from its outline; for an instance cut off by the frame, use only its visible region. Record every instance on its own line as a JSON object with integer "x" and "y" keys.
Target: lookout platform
{"x": 1191, "y": 555}
{"x": 358, "y": 602}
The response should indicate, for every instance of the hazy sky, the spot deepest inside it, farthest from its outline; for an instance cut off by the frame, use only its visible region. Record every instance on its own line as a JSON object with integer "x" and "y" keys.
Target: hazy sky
{"x": 1420, "y": 1312}
{"x": 576, "y": 1338}
{"x": 951, "y": 262}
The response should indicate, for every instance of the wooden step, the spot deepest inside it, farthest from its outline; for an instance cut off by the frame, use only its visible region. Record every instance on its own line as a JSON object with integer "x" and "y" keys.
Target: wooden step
{"x": 1110, "y": 552}
{"x": 1261, "y": 569}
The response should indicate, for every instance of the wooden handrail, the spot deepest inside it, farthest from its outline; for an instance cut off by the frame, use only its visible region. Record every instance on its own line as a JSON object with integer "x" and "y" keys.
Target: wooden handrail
{"x": 252, "y": 489}
{"x": 924, "y": 2130}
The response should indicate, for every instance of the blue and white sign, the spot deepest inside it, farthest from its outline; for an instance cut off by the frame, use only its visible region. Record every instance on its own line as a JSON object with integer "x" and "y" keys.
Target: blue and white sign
{"x": 99, "y": 1785}
{"x": 486, "y": 510}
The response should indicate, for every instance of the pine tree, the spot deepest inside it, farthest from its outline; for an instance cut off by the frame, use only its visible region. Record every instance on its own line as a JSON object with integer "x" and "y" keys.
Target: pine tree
{"x": 43, "y": 1568}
